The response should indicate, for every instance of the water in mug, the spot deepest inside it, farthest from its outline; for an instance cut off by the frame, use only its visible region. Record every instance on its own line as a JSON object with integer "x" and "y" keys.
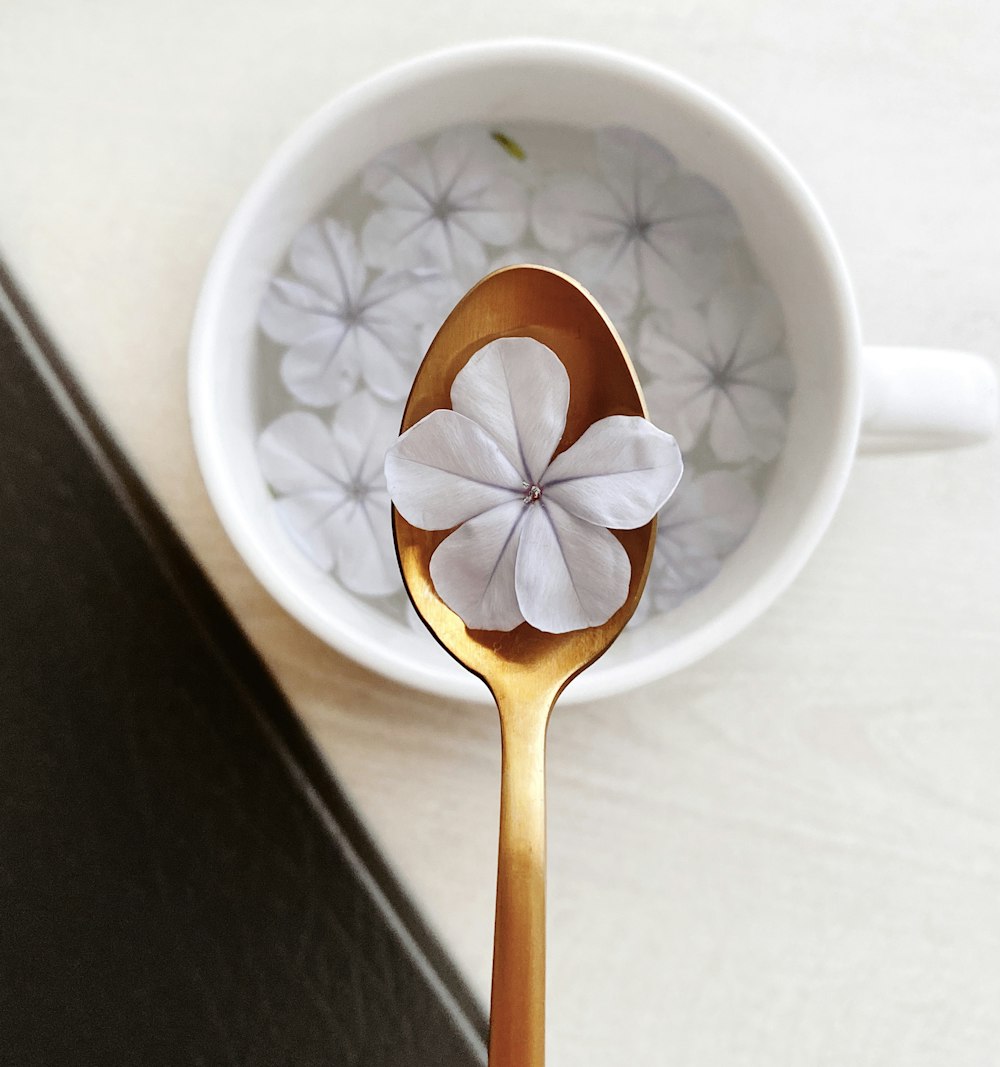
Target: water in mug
{"x": 659, "y": 248}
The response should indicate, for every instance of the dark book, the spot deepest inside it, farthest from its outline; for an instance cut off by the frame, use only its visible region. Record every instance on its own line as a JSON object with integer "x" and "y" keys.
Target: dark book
{"x": 181, "y": 879}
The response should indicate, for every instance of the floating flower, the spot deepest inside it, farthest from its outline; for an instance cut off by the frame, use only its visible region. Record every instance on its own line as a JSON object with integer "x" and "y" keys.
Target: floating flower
{"x": 333, "y": 499}
{"x": 643, "y": 227}
{"x": 705, "y": 519}
{"x": 441, "y": 205}
{"x": 723, "y": 373}
{"x": 340, "y": 325}
{"x": 533, "y": 540}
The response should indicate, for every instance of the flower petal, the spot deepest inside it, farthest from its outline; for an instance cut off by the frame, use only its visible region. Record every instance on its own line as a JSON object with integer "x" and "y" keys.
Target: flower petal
{"x": 499, "y": 216}
{"x": 609, "y": 269}
{"x": 634, "y": 165}
{"x": 464, "y": 160}
{"x": 292, "y": 312}
{"x": 574, "y": 210}
{"x": 517, "y": 390}
{"x": 709, "y": 514}
{"x": 305, "y": 518}
{"x": 325, "y": 254}
{"x": 366, "y": 556}
{"x": 473, "y": 568}
{"x": 745, "y": 423}
{"x": 321, "y": 370}
{"x": 395, "y": 237}
{"x": 400, "y": 176}
{"x": 446, "y": 470}
{"x": 360, "y": 432}
{"x": 296, "y": 455}
{"x": 745, "y": 322}
{"x": 618, "y": 474}
{"x": 675, "y": 350}
{"x": 349, "y": 536}
{"x": 686, "y": 413}
{"x": 569, "y": 574}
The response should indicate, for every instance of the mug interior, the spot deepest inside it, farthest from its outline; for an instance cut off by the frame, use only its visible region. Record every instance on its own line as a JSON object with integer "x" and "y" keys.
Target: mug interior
{"x": 544, "y": 82}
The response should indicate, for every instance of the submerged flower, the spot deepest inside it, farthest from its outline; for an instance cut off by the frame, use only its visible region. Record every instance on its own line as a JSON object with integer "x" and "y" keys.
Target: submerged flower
{"x": 702, "y": 523}
{"x": 724, "y": 373}
{"x": 441, "y": 205}
{"x": 533, "y": 540}
{"x": 643, "y": 227}
{"x": 339, "y": 325}
{"x": 333, "y": 499}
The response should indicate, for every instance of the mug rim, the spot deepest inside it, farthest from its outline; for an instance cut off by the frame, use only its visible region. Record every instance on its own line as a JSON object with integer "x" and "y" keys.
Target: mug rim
{"x": 380, "y": 87}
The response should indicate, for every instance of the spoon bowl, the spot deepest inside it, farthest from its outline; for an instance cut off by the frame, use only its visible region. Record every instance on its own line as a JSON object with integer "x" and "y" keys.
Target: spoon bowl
{"x": 525, "y": 668}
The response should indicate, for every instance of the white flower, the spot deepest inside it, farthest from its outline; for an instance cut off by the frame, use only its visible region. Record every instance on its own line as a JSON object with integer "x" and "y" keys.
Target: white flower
{"x": 341, "y": 326}
{"x": 533, "y": 541}
{"x": 333, "y": 499}
{"x": 702, "y": 523}
{"x": 646, "y": 227}
{"x": 442, "y": 204}
{"x": 723, "y": 372}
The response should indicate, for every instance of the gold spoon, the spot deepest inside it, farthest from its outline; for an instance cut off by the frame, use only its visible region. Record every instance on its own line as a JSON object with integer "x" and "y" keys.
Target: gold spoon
{"x": 525, "y": 669}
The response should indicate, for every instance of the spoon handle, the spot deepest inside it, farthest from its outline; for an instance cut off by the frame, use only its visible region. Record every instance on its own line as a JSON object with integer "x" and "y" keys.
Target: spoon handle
{"x": 517, "y": 1008}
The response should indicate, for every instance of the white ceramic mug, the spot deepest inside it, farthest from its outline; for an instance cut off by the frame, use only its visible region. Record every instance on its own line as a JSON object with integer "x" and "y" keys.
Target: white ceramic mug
{"x": 845, "y": 393}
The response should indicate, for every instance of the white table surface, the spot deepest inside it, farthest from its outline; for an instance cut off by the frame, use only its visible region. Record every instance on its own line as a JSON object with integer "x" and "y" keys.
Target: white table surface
{"x": 786, "y": 854}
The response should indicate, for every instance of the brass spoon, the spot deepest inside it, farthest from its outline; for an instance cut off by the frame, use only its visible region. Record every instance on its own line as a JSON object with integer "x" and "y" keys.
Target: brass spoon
{"x": 525, "y": 669}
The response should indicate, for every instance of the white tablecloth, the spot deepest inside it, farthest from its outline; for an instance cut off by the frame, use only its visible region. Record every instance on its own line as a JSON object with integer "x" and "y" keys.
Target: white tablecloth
{"x": 788, "y": 853}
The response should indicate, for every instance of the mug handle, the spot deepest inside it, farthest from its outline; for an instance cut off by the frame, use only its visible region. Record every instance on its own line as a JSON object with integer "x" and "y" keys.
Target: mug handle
{"x": 924, "y": 398}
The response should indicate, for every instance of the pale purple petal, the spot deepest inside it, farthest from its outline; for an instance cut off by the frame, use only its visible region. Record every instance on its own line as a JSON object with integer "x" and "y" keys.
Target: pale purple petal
{"x": 307, "y": 519}
{"x": 349, "y": 536}
{"x": 677, "y": 573}
{"x": 610, "y": 272}
{"x": 704, "y": 521}
{"x": 746, "y": 326}
{"x": 360, "y": 432}
{"x": 517, "y": 390}
{"x": 634, "y": 164}
{"x": 499, "y": 216}
{"x": 572, "y": 211}
{"x": 297, "y": 455}
{"x": 569, "y": 574}
{"x": 402, "y": 237}
{"x": 320, "y": 371}
{"x": 709, "y": 514}
{"x": 325, "y": 254}
{"x": 400, "y": 176}
{"x": 455, "y": 246}
{"x": 446, "y": 470}
{"x": 693, "y": 208}
{"x": 463, "y": 161}
{"x": 292, "y": 312}
{"x": 666, "y": 277}
{"x": 365, "y": 554}
{"x": 774, "y": 374}
{"x": 669, "y": 336}
{"x": 686, "y": 413}
{"x": 745, "y": 423}
{"x": 473, "y": 568}
{"x": 618, "y": 474}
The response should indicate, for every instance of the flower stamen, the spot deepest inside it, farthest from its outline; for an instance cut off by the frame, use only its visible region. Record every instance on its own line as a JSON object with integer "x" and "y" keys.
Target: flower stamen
{"x": 532, "y": 492}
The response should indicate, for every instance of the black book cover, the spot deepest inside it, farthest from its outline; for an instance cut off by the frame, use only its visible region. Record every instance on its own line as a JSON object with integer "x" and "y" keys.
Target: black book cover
{"x": 181, "y": 881}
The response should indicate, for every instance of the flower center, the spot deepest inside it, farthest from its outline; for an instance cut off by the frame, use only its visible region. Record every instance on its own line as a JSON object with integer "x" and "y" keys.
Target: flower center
{"x": 638, "y": 228}
{"x": 357, "y": 491}
{"x": 532, "y": 492}
{"x": 720, "y": 378}
{"x": 442, "y": 209}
